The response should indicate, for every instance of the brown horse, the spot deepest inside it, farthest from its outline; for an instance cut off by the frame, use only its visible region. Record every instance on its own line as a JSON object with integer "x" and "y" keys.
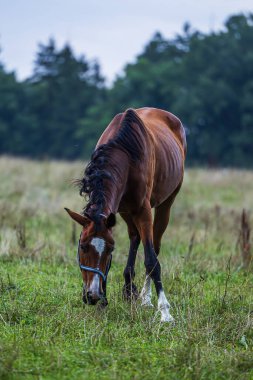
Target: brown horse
{"x": 138, "y": 164}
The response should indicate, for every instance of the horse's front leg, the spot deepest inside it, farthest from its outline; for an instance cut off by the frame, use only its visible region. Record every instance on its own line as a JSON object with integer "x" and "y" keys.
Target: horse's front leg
{"x": 146, "y": 292}
{"x": 153, "y": 268}
{"x": 130, "y": 290}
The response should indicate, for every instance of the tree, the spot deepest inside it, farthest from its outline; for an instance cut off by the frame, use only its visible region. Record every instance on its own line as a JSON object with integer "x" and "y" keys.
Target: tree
{"x": 63, "y": 88}
{"x": 199, "y": 78}
{"x": 205, "y": 79}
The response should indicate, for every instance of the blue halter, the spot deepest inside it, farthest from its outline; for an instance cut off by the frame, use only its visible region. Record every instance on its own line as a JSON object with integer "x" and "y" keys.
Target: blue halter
{"x": 94, "y": 270}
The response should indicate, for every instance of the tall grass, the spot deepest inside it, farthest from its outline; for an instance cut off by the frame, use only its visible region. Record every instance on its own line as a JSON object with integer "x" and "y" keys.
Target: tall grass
{"x": 46, "y": 332}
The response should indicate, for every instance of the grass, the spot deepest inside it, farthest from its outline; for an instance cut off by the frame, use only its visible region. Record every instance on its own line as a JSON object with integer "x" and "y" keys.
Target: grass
{"x": 46, "y": 332}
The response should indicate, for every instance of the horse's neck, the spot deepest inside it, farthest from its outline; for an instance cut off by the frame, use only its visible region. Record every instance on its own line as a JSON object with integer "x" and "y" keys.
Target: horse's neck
{"x": 118, "y": 166}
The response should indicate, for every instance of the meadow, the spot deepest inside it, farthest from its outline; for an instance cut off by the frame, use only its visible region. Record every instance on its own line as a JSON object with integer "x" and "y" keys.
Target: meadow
{"x": 47, "y": 333}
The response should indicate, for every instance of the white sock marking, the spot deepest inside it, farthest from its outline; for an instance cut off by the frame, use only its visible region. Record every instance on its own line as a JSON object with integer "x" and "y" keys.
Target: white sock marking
{"x": 163, "y": 307}
{"x": 98, "y": 244}
{"x": 146, "y": 293}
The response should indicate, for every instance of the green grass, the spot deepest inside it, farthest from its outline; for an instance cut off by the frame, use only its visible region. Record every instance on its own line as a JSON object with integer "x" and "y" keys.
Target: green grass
{"x": 46, "y": 332}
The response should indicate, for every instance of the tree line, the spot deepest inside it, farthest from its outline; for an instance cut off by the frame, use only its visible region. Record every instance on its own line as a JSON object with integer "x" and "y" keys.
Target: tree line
{"x": 205, "y": 79}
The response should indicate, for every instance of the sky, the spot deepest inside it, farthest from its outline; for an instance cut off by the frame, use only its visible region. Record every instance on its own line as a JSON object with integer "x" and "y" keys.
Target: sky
{"x": 111, "y": 31}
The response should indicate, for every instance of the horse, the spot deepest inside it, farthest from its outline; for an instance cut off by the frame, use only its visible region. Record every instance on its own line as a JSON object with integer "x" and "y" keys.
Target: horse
{"x": 137, "y": 165}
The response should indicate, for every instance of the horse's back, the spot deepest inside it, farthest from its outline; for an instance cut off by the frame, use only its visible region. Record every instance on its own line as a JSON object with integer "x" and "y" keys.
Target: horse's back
{"x": 158, "y": 122}
{"x": 161, "y": 170}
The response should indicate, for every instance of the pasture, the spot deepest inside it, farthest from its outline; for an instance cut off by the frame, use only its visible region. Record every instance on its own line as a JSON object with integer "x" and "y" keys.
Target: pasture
{"x": 46, "y": 332}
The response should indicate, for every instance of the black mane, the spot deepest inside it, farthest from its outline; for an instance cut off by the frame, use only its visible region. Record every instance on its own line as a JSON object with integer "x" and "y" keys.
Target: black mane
{"x": 127, "y": 139}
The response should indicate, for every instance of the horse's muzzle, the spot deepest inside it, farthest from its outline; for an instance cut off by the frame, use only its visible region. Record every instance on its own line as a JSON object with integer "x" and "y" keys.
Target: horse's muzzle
{"x": 93, "y": 298}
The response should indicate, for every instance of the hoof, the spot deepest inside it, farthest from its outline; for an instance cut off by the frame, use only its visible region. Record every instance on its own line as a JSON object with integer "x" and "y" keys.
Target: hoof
{"x": 130, "y": 292}
{"x": 146, "y": 303}
{"x": 167, "y": 319}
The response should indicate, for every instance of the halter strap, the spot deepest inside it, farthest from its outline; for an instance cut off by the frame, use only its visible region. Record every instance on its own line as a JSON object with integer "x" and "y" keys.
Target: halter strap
{"x": 94, "y": 270}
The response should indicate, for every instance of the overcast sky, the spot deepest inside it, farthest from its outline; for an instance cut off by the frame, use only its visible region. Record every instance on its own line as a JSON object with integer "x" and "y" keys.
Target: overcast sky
{"x": 113, "y": 31}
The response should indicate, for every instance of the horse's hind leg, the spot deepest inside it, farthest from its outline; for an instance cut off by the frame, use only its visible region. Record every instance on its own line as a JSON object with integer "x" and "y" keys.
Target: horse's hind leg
{"x": 129, "y": 289}
{"x": 161, "y": 220}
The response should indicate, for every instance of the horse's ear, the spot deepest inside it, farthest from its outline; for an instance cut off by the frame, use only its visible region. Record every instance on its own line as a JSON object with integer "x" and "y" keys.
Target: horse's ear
{"x": 110, "y": 221}
{"x": 83, "y": 220}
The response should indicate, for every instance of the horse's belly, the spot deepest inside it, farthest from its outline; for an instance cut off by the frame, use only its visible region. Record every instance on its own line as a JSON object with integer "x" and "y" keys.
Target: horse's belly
{"x": 168, "y": 174}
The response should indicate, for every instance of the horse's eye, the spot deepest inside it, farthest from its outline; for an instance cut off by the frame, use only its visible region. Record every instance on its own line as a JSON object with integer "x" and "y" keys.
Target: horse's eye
{"x": 84, "y": 248}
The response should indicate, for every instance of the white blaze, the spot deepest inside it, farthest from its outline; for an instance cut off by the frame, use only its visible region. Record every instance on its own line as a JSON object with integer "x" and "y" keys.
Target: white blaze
{"x": 99, "y": 245}
{"x": 94, "y": 287}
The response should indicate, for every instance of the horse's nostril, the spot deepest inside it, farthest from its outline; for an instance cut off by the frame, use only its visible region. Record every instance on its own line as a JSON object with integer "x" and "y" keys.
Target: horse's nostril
{"x": 93, "y": 298}
{"x": 88, "y": 295}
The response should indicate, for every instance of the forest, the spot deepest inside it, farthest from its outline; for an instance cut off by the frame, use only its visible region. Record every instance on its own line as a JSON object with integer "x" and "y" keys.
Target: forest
{"x": 204, "y": 79}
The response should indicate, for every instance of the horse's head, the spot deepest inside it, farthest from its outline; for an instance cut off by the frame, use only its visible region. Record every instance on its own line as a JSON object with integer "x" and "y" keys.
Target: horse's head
{"x": 94, "y": 254}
